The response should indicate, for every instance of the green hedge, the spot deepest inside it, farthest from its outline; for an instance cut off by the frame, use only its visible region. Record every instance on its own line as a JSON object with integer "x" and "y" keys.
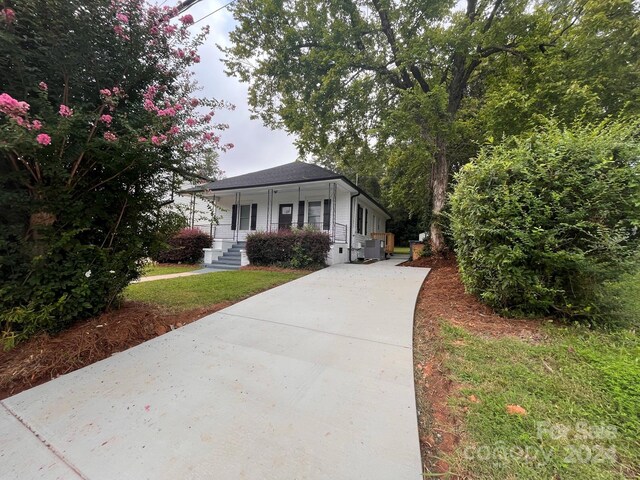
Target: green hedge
{"x": 289, "y": 248}
{"x": 185, "y": 247}
{"x": 542, "y": 222}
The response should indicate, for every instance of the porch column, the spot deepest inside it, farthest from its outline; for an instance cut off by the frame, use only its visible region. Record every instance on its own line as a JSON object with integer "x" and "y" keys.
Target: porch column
{"x": 269, "y": 208}
{"x": 333, "y": 197}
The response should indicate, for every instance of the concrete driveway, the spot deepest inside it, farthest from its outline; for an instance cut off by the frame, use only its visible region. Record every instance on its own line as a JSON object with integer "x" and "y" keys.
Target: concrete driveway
{"x": 309, "y": 380}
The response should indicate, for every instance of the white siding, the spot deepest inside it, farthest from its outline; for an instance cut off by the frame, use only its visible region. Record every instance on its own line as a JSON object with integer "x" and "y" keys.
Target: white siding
{"x": 359, "y": 238}
{"x": 309, "y": 192}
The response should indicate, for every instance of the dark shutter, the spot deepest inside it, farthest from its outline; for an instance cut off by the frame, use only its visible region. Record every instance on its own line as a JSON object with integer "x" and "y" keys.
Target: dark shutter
{"x": 234, "y": 216}
{"x": 359, "y": 220}
{"x": 326, "y": 220}
{"x": 301, "y": 214}
{"x": 366, "y": 220}
{"x": 254, "y": 215}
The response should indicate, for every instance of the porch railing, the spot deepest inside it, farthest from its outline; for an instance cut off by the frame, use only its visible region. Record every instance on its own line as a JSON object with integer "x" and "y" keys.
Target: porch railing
{"x": 224, "y": 232}
{"x": 338, "y": 234}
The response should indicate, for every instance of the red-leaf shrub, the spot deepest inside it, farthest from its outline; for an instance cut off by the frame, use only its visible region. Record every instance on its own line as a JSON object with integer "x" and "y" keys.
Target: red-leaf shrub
{"x": 185, "y": 247}
{"x": 288, "y": 248}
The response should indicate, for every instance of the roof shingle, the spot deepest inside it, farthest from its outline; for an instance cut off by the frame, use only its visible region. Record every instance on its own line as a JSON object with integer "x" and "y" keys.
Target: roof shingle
{"x": 295, "y": 172}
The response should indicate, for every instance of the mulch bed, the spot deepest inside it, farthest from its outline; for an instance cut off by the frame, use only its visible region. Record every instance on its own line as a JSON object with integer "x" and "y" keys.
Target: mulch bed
{"x": 443, "y": 298}
{"x": 45, "y": 357}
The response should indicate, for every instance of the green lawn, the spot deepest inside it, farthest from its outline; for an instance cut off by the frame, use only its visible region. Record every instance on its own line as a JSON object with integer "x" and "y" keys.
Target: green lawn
{"x": 581, "y": 391}
{"x": 207, "y": 289}
{"x": 152, "y": 270}
{"x": 401, "y": 251}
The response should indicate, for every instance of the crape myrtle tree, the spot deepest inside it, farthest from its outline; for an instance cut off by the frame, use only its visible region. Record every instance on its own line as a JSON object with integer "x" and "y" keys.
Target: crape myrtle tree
{"x": 99, "y": 121}
{"x": 374, "y": 83}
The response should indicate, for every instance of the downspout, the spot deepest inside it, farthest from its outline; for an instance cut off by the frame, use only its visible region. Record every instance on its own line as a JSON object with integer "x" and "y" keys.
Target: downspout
{"x": 351, "y": 225}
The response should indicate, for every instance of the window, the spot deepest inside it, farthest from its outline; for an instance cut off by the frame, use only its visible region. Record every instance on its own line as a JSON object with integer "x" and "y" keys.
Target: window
{"x": 245, "y": 217}
{"x": 314, "y": 216}
{"x": 359, "y": 220}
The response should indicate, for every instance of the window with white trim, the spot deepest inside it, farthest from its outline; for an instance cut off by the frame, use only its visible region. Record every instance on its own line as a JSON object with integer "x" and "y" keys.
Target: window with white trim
{"x": 245, "y": 217}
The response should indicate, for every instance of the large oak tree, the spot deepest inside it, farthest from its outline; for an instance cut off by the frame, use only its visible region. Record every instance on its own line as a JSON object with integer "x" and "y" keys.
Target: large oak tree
{"x": 362, "y": 81}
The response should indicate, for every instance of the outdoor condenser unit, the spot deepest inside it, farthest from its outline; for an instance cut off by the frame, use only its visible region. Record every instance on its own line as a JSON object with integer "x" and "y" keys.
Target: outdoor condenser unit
{"x": 374, "y": 249}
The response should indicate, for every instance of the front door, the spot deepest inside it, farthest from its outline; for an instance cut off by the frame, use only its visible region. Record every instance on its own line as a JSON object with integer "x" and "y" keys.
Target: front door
{"x": 285, "y": 216}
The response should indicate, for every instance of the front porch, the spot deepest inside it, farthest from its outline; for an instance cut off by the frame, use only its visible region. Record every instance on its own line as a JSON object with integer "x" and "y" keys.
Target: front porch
{"x": 323, "y": 207}
{"x": 224, "y": 231}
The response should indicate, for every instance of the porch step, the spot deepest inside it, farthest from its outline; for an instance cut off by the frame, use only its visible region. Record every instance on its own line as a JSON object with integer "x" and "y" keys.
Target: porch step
{"x": 222, "y": 266}
{"x": 231, "y": 259}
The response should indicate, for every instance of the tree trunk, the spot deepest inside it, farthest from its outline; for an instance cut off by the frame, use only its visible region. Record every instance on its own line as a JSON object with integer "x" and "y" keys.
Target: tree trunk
{"x": 439, "y": 181}
{"x": 39, "y": 222}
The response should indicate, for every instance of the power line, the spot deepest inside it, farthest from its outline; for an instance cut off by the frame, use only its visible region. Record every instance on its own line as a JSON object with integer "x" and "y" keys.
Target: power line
{"x": 215, "y": 11}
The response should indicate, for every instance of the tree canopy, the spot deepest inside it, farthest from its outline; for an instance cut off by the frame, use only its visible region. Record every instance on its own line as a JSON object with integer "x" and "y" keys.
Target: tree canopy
{"x": 407, "y": 91}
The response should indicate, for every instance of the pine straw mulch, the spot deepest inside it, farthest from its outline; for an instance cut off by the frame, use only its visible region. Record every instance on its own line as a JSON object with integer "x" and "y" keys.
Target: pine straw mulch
{"x": 45, "y": 357}
{"x": 442, "y": 298}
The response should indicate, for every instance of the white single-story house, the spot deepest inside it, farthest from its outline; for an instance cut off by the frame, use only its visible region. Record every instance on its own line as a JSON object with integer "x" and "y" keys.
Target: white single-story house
{"x": 293, "y": 195}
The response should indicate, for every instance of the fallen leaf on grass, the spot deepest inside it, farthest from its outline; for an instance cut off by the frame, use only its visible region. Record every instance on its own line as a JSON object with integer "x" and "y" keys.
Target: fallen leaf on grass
{"x": 473, "y": 399}
{"x": 516, "y": 410}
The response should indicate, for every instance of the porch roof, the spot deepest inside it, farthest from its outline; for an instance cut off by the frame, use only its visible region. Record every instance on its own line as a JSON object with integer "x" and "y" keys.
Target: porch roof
{"x": 290, "y": 173}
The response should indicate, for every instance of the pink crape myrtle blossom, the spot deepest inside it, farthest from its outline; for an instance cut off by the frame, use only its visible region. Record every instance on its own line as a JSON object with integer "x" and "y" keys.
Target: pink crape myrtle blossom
{"x": 121, "y": 17}
{"x": 167, "y": 112}
{"x": 12, "y": 107}
{"x": 43, "y": 139}
{"x": 187, "y": 146}
{"x": 43, "y": 86}
{"x": 106, "y": 119}
{"x": 65, "y": 111}
{"x": 9, "y": 15}
{"x": 110, "y": 136}
{"x": 105, "y": 92}
{"x": 142, "y": 139}
{"x": 36, "y": 125}
{"x": 187, "y": 19}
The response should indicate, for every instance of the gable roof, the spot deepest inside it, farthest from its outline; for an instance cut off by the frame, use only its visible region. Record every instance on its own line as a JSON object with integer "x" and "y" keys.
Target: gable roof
{"x": 294, "y": 172}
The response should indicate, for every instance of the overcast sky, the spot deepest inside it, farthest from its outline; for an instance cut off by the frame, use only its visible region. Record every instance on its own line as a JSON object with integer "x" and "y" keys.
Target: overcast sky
{"x": 256, "y": 146}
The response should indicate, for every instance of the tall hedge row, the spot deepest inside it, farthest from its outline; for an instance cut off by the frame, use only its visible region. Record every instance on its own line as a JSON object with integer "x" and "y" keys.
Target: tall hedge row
{"x": 541, "y": 223}
{"x": 289, "y": 248}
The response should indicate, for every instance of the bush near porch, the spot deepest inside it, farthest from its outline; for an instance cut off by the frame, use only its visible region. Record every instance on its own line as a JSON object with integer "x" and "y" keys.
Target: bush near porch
{"x": 288, "y": 248}
{"x": 185, "y": 247}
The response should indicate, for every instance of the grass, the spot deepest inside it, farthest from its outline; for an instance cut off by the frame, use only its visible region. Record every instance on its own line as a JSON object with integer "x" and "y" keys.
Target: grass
{"x": 401, "y": 250}
{"x": 198, "y": 291}
{"x": 152, "y": 270}
{"x": 581, "y": 391}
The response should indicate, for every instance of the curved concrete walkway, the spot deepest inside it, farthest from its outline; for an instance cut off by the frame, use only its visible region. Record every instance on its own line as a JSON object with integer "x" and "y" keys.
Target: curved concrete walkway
{"x": 309, "y": 380}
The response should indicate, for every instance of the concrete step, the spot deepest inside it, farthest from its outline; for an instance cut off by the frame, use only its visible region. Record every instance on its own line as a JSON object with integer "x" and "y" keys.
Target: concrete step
{"x": 222, "y": 266}
{"x": 229, "y": 261}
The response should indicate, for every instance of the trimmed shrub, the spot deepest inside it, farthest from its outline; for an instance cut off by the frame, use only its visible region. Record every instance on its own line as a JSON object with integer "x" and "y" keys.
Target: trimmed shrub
{"x": 185, "y": 247}
{"x": 288, "y": 248}
{"x": 541, "y": 223}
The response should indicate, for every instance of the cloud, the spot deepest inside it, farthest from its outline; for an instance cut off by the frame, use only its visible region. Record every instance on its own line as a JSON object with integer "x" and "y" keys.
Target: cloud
{"x": 256, "y": 146}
